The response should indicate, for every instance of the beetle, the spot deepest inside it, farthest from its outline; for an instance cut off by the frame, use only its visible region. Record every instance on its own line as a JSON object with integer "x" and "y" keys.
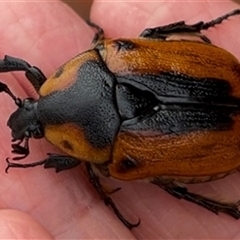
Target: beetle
{"x": 161, "y": 107}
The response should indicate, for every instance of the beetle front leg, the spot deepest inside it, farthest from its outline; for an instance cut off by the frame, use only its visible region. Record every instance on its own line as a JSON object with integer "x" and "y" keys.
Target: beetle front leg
{"x": 33, "y": 74}
{"x": 99, "y": 35}
{"x": 210, "y": 204}
{"x": 59, "y": 162}
{"x": 5, "y": 88}
{"x": 21, "y": 150}
{"x": 94, "y": 180}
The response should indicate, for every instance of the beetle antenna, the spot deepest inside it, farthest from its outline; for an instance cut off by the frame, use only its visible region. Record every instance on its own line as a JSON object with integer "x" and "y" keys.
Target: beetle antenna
{"x": 5, "y": 88}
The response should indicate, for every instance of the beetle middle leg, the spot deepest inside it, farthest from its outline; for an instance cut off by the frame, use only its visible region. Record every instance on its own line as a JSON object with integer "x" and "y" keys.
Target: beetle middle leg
{"x": 210, "y": 204}
{"x": 94, "y": 180}
{"x": 33, "y": 74}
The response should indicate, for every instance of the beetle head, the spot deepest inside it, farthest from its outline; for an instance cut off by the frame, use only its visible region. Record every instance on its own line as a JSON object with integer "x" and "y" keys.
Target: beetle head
{"x": 24, "y": 121}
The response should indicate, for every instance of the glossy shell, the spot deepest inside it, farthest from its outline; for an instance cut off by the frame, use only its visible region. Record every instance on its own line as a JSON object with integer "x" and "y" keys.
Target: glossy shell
{"x": 147, "y": 108}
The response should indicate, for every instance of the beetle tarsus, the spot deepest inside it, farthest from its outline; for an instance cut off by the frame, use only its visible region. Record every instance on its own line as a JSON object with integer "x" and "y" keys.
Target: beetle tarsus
{"x": 111, "y": 191}
{"x": 59, "y": 162}
{"x": 99, "y": 35}
{"x": 219, "y": 20}
{"x": 33, "y": 74}
{"x": 18, "y": 165}
{"x": 5, "y": 88}
{"x": 94, "y": 180}
{"x": 108, "y": 202}
{"x": 210, "y": 204}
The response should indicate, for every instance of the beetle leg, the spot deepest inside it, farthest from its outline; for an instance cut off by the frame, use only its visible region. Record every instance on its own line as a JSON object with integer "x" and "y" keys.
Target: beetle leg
{"x": 210, "y": 204}
{"x": 164, "y": 32}
{"x": 99, "y": 35}
{"x": 111, "y": 191}
{"x": 219, "y": 20}
{"x": 94, "y": 180}
{"x": 21, "y": 150}
{"x": 5, "y": 88}
{"x": 33, "y": 74}
{"x": 59, "y": 162}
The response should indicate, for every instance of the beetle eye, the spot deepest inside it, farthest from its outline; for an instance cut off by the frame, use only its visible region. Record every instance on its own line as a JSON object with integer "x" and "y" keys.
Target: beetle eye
{"x": 129, "y": 163}
{"x": 28, "y": 104}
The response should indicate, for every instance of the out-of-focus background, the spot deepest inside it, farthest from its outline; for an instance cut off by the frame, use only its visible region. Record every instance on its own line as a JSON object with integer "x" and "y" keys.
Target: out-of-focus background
{"x": 81, "y": 7}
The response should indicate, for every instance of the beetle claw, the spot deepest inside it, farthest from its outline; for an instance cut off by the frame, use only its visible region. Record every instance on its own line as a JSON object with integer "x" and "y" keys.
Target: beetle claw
{"x": 131, "y": 225}
{"x": 114, "y": 190}
{"x": 20, "y": 150}
{"x": 94, "y": 180}
{"x": 108, "y": 202}
{"x": 111, "y": 191}
{"x": 8, "y": 165}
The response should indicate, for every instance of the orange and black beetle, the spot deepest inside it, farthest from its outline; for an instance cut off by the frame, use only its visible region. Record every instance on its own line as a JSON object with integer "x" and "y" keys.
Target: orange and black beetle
{"x": 155, "y": 107}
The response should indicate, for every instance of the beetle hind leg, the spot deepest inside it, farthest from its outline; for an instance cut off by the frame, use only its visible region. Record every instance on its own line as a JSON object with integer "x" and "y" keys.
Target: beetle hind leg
{"x": 210, "y": 204}
{"x": 18, "y": 149}
{"x": 94, "y": 180}
{"x": 33, "y": 74}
